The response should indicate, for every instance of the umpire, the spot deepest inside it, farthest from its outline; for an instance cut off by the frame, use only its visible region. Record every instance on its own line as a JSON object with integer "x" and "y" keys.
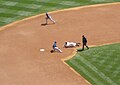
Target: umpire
{"x": 84, "y": 41}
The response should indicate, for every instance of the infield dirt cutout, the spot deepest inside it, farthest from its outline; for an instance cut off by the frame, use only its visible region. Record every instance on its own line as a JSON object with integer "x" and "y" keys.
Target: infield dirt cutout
{"x": 22, "y": 63}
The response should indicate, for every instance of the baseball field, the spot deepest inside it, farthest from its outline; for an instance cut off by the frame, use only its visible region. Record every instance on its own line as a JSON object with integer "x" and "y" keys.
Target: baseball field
{"x": 22, "y": 36}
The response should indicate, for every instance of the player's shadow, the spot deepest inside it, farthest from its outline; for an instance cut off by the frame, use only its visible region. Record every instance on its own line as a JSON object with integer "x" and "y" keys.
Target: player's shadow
{"x": 44, "y": 24}
{"x": 80, "y": 50}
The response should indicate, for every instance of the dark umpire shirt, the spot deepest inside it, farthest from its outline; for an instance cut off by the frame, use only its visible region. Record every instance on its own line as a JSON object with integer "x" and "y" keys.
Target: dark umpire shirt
{"x": 84, "y": 40}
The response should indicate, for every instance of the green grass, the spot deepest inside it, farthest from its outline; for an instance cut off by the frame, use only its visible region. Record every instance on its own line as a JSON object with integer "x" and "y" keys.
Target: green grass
{"x": 99, "y": 65}
{"x": 12, "y": 10}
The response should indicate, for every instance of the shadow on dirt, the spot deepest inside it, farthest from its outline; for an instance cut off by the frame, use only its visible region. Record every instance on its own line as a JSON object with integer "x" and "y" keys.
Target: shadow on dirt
{"x": 44, "y": 24}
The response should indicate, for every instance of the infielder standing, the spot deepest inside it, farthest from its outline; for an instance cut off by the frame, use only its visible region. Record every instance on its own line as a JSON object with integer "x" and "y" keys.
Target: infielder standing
{"x": 49, "y": 17}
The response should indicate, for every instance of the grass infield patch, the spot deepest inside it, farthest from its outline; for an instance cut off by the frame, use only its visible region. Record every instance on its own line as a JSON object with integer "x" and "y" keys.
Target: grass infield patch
{"x": 99, "y": 65}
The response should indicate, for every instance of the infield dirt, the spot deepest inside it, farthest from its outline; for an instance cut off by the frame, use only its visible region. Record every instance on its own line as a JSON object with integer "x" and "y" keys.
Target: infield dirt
{"x": 22, "y": 63}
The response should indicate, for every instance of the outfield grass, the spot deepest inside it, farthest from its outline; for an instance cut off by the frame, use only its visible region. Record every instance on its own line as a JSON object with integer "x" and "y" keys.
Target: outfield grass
{"x": 12, "y": 10}
{"x": 99, "y": 65}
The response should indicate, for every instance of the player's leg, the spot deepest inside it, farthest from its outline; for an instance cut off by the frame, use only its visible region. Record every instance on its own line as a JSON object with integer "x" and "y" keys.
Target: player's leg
{"x": 83, "y": 46}
{"x": 87, "y": 46}
{"x": 52, "y": 19}
{"x": 58, "y": 49}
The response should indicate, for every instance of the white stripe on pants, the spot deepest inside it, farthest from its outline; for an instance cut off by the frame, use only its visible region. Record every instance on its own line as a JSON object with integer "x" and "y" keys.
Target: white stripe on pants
{"x": 57, "y": 49}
